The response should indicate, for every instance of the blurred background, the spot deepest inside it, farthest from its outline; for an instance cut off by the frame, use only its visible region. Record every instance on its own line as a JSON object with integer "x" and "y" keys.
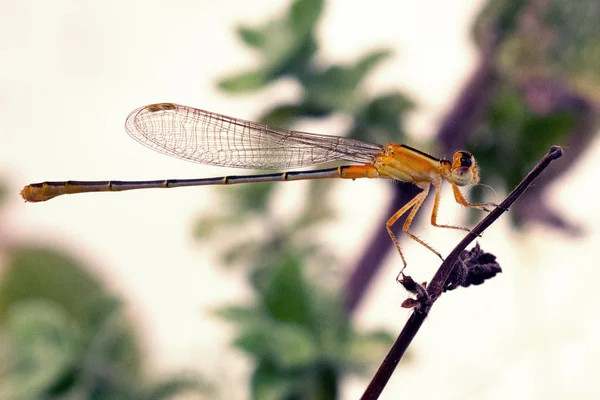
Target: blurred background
{"x": 287, "y": 291}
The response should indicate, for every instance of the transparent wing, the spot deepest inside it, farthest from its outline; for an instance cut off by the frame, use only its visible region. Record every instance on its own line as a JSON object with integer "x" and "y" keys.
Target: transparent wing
{"x": 209, "y": 138}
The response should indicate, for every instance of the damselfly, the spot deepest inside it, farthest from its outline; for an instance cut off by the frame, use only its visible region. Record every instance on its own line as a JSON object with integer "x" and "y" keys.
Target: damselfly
{"x": 214, "y": 139}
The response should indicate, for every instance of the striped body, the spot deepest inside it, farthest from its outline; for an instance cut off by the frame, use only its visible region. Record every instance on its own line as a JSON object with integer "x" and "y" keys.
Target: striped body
{"x": 47, "y": 190}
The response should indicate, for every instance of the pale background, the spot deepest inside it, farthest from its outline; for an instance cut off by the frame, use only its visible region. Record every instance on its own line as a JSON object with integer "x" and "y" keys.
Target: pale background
{"x": 72, "y": 71}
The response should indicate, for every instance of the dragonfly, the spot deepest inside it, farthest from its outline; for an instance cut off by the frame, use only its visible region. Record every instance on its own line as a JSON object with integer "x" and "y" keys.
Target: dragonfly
{"x": 214, "y": 139}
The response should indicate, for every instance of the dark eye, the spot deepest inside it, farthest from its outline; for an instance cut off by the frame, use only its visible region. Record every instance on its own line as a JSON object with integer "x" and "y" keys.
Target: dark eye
{"x": 466, "y": 159}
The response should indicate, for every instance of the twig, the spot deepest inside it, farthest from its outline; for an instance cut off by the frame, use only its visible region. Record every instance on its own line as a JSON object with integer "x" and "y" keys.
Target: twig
{"x": 436, "y": 285}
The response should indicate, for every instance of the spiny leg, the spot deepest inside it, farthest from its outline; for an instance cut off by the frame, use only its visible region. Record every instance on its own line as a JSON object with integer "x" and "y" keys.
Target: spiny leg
{"x": 437, "y": 184}
{"x": 409, "y": 220}
{"x": 460, "y": 199}
{"x": 415, "y": 204}
{"x": 388, "y": 225}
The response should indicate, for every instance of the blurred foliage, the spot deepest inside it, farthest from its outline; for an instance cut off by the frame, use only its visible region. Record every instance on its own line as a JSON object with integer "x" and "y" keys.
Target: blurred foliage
{"x": 550, "y": 39}
{"x": 48, "y": 355}
{"x": 287, "y": 47}
{"x": 299, "y": 336}
{"x": 553, "y": 38}
{"x": 298, "y": 333}
{"x": 512, "y": 138}
{"x": 41, "y": 273}
{"x": 250, "y": 206}
{"x": 547, "y": 87}
{"x": 63, "y": 337}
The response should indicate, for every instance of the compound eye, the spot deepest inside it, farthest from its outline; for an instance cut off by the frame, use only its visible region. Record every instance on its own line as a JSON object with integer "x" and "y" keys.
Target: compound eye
{"x": 466, "y": 159}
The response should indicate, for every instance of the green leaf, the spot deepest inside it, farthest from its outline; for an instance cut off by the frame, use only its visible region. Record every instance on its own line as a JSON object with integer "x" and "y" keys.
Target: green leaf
{"x": 381, "y": 119}
{"x": 253, "y": 197}
{"x": 346, "y": 78}
{"x": 338, "y": 87}
{"x": 304, "y": 15}
{"x": 40, "y": 273}
{"x": 295, "y": 61}
{"x": 332, "y": 91}
{"x": 170, "y": 387}
{"x": 268, "y": 383}
{"x": 239, "y": 314}
{"x": 252, "y": 37}
{"x": 245, "y": 82}
{"x": 206, "y": 226}
{"x": 286, "y": 47}
{"x": 286, "y": 298}
{"x": 282, "y": 116}
{"x": 368, "y": 62}
{"x": 286, "y": 345}
{"x": 46, "y": 347}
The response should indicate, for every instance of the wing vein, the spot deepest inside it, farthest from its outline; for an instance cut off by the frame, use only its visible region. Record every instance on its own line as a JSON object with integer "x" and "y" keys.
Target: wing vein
{"x": 214, "y": 139}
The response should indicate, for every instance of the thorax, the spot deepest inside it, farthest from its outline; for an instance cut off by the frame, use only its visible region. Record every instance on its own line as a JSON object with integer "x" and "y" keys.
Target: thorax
{"x": 407, "y": 164}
